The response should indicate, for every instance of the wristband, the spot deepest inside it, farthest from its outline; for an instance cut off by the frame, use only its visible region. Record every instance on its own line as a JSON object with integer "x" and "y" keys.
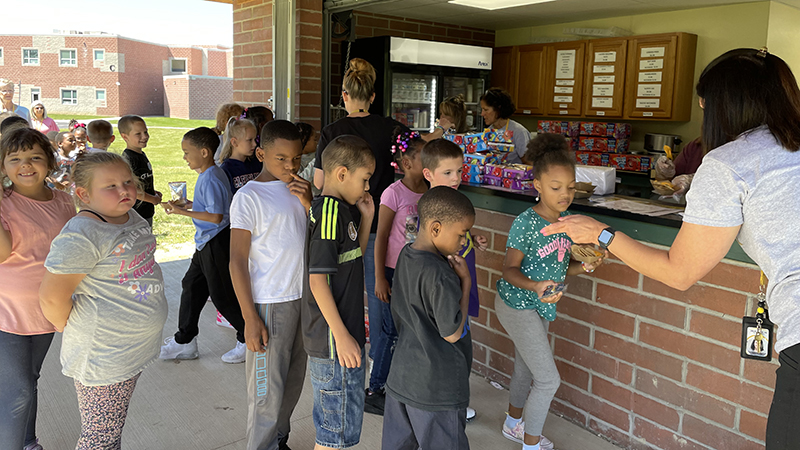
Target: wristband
{"x": 583, "y": 266}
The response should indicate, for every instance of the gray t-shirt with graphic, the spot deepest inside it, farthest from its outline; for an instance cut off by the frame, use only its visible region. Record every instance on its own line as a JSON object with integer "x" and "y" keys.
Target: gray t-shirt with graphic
{"x": 119, "y": 308}
{"x": 753, "y": 182}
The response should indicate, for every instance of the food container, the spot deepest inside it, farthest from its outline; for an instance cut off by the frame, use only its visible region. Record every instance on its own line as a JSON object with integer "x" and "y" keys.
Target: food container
{"x": 494, "y": 170}
{"x": 520, "y": 185}
{"x": 492, "y": 181}
{"x": 473, "y": 169}
{"x": 471, "y": 177}
{"x": 177, "y": 192}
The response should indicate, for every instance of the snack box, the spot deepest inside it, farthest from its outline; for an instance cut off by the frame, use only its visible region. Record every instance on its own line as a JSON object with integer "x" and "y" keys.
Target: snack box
{"x": 473, "y": 169}
{"x": 520, "y": 185}
{"x": 498, "y": 135}
{"x": 494, "y": 170}
{"x": 500, "y": 147}
{"x": 492, "y": 181}
{"x": 481, "y": 159}
{"x": 618, "y": 161}
{"x": 604, "y": 129}
{"x": 598, "y": 144}
{"x": 569, "y": 129}
{"x": 633, "y": 163}
{"x": 472, "y": 177}
{"x": 518, "y": 172}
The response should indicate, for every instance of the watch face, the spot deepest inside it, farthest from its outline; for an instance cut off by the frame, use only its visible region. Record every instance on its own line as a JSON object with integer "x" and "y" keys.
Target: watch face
{"x": 605, "y": 237}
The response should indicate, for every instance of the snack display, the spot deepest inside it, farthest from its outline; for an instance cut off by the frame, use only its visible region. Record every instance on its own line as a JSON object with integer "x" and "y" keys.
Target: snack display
{"x": 492, "y": 181}
{"x": 603, "y": 129}
{"x": 598, "y": 144}
{"x": 520, "y": 185}
{"x": 472, "y": 178}
{"x": 177, "y": 192}
{"x": 495, "y": 170}
{"x": 586, "y": 254}
{"x": 633, "y": 163}
{"x": 518, "y": 172}
{"x": 473, "y": 169}
{"x": 482, "y": 158}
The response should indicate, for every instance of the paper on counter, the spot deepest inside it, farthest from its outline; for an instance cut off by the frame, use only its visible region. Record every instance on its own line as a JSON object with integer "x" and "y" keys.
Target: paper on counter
{"x": 636, "y": 207}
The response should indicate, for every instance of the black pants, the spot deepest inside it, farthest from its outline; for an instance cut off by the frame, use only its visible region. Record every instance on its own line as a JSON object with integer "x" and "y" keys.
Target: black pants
{"x": 209, "y": 274}
{"x": 784, "y": 414}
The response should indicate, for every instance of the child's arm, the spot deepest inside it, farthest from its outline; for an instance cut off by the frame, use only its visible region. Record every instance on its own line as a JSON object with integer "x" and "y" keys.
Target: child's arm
{"x": 576, "y": 267}
{"x": 385, "y": 219}
{"x": 513, "y": 274}
{"x": 461, "y": 269}
{"x": 145, "y": 197}
{"x": 347, "y": 348}
{"x": 55, "y": 297}
{"x": 186, "y": 210}
{"x": 367, "y": 209}
{"x": 255, "y": 332}
{"x": 5, "y": 239}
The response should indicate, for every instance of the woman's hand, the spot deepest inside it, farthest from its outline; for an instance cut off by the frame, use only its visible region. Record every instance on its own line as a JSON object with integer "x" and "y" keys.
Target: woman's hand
{"x": 581, "y": 229}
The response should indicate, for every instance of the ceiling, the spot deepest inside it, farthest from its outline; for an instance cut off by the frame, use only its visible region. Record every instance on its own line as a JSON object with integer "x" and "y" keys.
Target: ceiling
{"x": 560, "y": 11}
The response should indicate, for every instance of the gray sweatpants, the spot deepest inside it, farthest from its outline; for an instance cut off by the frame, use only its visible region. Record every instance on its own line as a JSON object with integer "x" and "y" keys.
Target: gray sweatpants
{"x": 275, "y": 376}
{"x": 533, "y": 362}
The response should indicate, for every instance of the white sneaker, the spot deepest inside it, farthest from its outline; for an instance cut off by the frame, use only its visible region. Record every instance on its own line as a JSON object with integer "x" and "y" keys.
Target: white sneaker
{"x": 470, "y": 414}
{"x": 517, "y": 434}
{"x": 173, "y": 350}
{"x": 33, "y": 446}
{"x": 236, "y": 355}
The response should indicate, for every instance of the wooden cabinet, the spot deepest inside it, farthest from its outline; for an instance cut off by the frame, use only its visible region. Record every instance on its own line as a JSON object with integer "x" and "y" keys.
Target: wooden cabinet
{"x": 504, "y": 69}
{"x": 660, "y": 76}
{"x": 564, "y": 69}
{"x": 530, "y": 79}
{"x": 604, "y": 86}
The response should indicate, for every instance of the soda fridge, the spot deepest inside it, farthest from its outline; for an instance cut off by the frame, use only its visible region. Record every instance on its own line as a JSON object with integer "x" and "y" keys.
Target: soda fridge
{"x": 414, "y": 76}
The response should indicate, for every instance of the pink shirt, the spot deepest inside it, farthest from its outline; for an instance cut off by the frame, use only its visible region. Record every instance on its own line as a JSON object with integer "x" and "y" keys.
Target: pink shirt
{"x": 403, "y": 201}
{"x": 44, "y": 126}
{"x": 33, "y": 225}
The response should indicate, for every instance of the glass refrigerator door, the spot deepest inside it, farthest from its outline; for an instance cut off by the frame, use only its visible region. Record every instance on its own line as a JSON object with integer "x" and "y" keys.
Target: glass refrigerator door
{"x": 470, "y": 89}
{"x": 414, "y": 100}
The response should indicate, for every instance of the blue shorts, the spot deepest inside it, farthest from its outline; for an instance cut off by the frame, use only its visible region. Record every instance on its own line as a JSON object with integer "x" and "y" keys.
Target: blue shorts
{"x": 338, "y": 401}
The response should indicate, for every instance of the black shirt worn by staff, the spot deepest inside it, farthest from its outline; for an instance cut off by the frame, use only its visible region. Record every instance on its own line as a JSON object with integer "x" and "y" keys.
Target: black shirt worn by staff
{"x": 144, "y": 171}
{"x": 377, "y": 131}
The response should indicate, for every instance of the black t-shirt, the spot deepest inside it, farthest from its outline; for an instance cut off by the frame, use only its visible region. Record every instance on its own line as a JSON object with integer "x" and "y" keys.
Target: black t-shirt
{"x": 428, "y": 372}
{"x": 333, "y": 250}
{"x": 142, "y": 169}
{"x": 240, "y": 172}
{"x": 377, "y": 131}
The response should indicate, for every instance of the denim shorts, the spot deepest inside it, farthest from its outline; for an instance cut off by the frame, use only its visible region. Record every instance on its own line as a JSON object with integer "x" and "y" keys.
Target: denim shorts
{"x": 338, "y": 401}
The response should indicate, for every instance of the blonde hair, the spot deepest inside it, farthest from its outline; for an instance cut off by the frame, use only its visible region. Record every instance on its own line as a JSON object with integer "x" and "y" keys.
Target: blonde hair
{"x": 359, "y": 80}
{"x": 225, "y": 112}
{"x": 84, "y": 168}
{"x": 457, "y": 109}
{"x": 235, "y": 128}
{"x": 6, "y": 82}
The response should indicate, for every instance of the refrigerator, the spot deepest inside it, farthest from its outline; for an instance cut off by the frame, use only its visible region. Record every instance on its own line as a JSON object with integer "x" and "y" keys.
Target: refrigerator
{"x": 414, "y": 77}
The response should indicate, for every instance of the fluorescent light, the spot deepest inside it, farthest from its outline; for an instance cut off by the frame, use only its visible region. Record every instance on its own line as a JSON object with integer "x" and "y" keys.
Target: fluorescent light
{"x": 492, "y": 5}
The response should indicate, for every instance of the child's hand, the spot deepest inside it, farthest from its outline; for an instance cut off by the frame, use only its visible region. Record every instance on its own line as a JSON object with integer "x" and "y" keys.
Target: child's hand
{"x": 481, "y": 241}
{"x": 255, "y": 335}
{"x": 348, "y": 351}
{"x": 365, "y": 205}
{"x": 158, "y": 197}
{"x": 460, "y": 266}
{"x": 382, "y": 290}
{"x": 552, "y": 299}
{"x": 591, "y": 267}
{"x": 301, "y": 189}
{"x": 541, "y": 286}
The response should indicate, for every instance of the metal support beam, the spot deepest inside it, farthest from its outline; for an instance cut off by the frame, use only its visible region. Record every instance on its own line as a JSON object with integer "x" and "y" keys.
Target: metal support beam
{"x": 334, "y": 6}
{"x": 284, "y": 48}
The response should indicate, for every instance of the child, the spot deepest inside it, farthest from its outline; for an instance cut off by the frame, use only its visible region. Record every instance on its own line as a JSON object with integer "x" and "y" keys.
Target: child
{"x": 100, "y": 134}
{"x": 428, "y": 386}
{"x": 333, "y": 317}
{"x": 259, "y": 115}
{"x": 65, "y": 157}
{"x": 133, "y": 130}
{"x": 268, "y": 280}
{"x": 534, "y": 262}
{"x": 208, "y": 273}
{"x": 105, "y": 292}
{"x": 397, "y": 226}
{"x": 78, "y": 130}
{"x": 237, "y": 157}
{"x": 224, "y": 113}
{"x": 453, "y": 110}
{"x": 32, "y": 215}
{"x": 442, "y": 163}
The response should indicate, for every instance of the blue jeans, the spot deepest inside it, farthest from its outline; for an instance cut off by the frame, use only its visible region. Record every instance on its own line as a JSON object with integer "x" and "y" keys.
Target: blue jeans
{"x": 382, "y": 342}
{"x": 338, "y": 401}
{"x": 21, "y": 360}
{"x": 374, "y": 309}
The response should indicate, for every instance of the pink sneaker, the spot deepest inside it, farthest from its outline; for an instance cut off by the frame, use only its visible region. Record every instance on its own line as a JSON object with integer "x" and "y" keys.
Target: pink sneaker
{"x": 517, "y": 434}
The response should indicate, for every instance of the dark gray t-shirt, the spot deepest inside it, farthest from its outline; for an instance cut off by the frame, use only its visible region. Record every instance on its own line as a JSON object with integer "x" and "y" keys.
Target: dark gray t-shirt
{"x": 428, "y": 372}
{"x": 753, "y": 182}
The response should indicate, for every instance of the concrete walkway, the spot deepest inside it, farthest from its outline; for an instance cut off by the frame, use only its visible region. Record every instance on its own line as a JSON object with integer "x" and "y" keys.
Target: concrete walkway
{"x": 200, "y": 404}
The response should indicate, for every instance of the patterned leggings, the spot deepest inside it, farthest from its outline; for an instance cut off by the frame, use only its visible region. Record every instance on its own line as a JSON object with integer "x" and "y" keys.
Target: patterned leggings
{"x": 103, "y": 412}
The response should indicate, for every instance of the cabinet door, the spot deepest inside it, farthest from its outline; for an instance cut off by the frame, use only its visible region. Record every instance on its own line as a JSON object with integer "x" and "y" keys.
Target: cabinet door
{"x": 564, "y": 78}
{"x": 530, "y": 79}
{"x": 604, "y": 87}
{"x": 504, "y": 69}
{"x": 651, "y": 76}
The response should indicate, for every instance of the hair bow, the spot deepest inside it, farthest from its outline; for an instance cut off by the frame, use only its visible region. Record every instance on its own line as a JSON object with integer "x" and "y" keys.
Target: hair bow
{"x": 244, "y": 114}
{"x": 402, "y": 140}
{"x": 79, "y": 125}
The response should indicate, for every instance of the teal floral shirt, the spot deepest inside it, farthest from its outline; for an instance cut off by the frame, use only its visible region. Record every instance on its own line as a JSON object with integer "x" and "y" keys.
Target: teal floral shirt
{"x": 546, "y": 258}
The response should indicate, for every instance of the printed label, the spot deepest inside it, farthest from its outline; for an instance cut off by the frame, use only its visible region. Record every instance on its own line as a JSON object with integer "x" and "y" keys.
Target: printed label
{"x": 650, "y": 64}
{"x": 604, "y": 78}
{"x": 603, "y": 69}
{"x": 650, "y": 77}
{"x": 565, "y": 64}
{"x": 603, "y": 90}
{"x": 565, "y": 82}
{"x": 602, "y": 103}
{"x": 653, "y": 52}
{"x": 648, "y": 90}
{"x": 562, "y": 99}
{"x": 563, "y": 90}
{"x": 605, "y": 56}
{"x": 647, "y": 103}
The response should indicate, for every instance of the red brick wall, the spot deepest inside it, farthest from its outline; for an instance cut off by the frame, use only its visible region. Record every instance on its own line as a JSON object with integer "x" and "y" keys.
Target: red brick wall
{"x": 176, "y": 97}
{"x": 141, "y": 85}
{"x": 252, "y": 51}
{"x": 218, "y": 64}
{"x": 206, "y": 94}
{"x": 647, "y": 366}
{"x": 308, "y": 70}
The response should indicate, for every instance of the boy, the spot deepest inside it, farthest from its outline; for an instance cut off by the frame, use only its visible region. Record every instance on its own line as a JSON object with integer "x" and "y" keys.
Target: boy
{"x": 134, "y": 132}
{"x": 428, "y": 385}
{"x": 100, "y": 134}
{"x": 333, "y": 316}
{"x": 208, "y": 273}
{"x": 268, "y": 230}
{"x": 442, "y": 164}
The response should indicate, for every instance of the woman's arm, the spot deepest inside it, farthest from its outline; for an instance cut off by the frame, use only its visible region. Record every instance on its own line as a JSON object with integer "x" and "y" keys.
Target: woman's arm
{"x": 55, "y": 297}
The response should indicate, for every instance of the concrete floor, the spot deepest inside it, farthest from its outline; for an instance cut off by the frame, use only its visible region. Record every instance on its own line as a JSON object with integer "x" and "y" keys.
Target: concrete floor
{"x": 200, "y": 404}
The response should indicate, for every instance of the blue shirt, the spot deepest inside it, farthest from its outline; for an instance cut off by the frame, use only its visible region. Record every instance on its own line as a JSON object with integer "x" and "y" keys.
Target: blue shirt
{"x": 212, "y": 194}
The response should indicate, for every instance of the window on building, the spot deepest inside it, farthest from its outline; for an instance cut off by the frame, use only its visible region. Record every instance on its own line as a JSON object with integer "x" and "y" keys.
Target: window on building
{"x": 100, "y": 96}
{"x": 178, "y": 65}
{"x": 30, "y": 57}
{"x": 68, "y": 58}
{"x": 99, "y": 55}
{"x": 69, "y": 97}
{"x": 36, "y": 94}
{"x": 1, "y": 56}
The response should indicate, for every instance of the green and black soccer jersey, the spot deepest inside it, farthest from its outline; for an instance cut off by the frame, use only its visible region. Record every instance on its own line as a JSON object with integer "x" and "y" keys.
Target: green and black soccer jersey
{"x": 333, "y": 250}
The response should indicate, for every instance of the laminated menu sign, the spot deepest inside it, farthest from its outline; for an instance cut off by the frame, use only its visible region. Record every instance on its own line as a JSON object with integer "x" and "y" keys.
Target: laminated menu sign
{"x": 565, "y": 64}
{"x": 653, "y": 52}
{"x": 648, "y": 90}
{"x": 603, "y": 90}
{"x": 648, "y": 103}
{"x": 605, "y": 57}
{"x": 563, "y": 90}
{"x": 649, "y": 77}
{"x": 563, "y": 99}
{"x": 565, "y": 82}
{"x": 602, "y": 102}
{"x": 651, "y": 64}
{"x": 603, "y": 69}
{"x": 604, "y": 78}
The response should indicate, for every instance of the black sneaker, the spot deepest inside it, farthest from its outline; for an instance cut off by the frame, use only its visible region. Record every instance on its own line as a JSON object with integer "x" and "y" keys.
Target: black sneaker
{"x": 282, "y": 443}
{"x": 374, "y": 402}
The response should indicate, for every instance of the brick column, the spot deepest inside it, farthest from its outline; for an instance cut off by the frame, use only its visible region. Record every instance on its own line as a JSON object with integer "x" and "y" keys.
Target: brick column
{"x": 308, "y": 58}
{"x": 252, "y": 51}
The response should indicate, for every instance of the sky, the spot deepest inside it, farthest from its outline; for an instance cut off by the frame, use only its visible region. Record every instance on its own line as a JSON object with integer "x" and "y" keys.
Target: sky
{"x": 181, "y": 22}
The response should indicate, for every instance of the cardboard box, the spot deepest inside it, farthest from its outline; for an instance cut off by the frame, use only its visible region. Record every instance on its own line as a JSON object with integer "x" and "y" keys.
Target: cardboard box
{"x": 481, "y": 158}
{"x": 494, "y": 170}
{"x": 520, "y": 185}
{"x": 473, "y": 169}
{"x": 598, "y": 144}
{"x": 492, "y": 181}
{"x": 518, "y": 172}
{"x": 472, "y": 178}
{"x": 500, "y": 147}
{"x": 605, "y": 129}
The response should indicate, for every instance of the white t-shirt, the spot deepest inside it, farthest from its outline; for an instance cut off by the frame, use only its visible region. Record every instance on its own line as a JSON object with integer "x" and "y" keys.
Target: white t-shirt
{"x": 277, "y": 222}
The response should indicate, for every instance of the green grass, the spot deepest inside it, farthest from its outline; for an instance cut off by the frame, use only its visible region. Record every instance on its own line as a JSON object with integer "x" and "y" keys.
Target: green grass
{"x": 151, "y": 121}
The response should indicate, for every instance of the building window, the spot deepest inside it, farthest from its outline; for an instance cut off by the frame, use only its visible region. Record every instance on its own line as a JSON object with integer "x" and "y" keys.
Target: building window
{"x": 99, "y": 55}
{"x": 30, "y": 57}
{"x": 1, "y": 56}
{"x": 100, "y": 96}
{"x": 178, "y": 65}
{"x": 36, "y": 94}
{"x": 69, "y": 97}
{"x": 68, "y": 58}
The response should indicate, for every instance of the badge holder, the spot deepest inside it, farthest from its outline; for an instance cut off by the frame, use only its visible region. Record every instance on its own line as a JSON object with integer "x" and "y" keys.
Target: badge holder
{"x": 758, "y": 336}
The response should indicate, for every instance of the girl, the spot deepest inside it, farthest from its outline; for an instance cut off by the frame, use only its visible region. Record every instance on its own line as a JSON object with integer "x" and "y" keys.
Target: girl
{"x": 534, "y": 262}
{"x": 397, "y": 226}
{"x": 32, "y": 215}
{"x": 454, "y": 113}
{"x": 104, "y": 291}
{"x": 237, "y": 157}
{"x": 259, "y": 115}
{"x": 224, "y": 113}
{"x": 39, "y": 119}
{"x": 65, "y": 150}
{"x": 79, "y": 131}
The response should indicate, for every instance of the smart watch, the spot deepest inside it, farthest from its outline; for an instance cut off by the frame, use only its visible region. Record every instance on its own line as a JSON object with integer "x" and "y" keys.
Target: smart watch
{"x": 606, "y": 236}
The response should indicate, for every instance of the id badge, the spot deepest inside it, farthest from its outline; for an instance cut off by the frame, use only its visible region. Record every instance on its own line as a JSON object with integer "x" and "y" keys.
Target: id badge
{"x": 757, "y": 340}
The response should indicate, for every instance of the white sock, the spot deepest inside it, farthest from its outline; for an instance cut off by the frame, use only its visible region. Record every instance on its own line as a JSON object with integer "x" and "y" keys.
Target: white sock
{"x": 530, "y": 447}
{"x": 512, "y": 422}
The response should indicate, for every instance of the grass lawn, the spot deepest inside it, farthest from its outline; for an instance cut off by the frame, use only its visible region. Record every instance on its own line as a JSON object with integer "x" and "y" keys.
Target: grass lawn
{"x": 151, "y": 121}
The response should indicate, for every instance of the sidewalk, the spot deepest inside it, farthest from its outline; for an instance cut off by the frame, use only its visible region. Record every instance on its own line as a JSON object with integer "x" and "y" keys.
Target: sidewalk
{"x": 200, "y": 404}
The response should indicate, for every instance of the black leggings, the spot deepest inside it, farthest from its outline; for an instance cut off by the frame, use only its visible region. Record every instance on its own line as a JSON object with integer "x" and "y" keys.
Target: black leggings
{"x": 784, "y": 414}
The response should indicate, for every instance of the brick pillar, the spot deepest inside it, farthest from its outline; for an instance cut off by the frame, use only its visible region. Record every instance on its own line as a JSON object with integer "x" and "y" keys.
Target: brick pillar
{"x": 252, "y": 51}
{"x": 308, "y": 58}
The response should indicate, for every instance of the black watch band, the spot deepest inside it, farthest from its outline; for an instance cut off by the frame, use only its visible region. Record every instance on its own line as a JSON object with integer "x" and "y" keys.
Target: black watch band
{"x": 606, "y": 237}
